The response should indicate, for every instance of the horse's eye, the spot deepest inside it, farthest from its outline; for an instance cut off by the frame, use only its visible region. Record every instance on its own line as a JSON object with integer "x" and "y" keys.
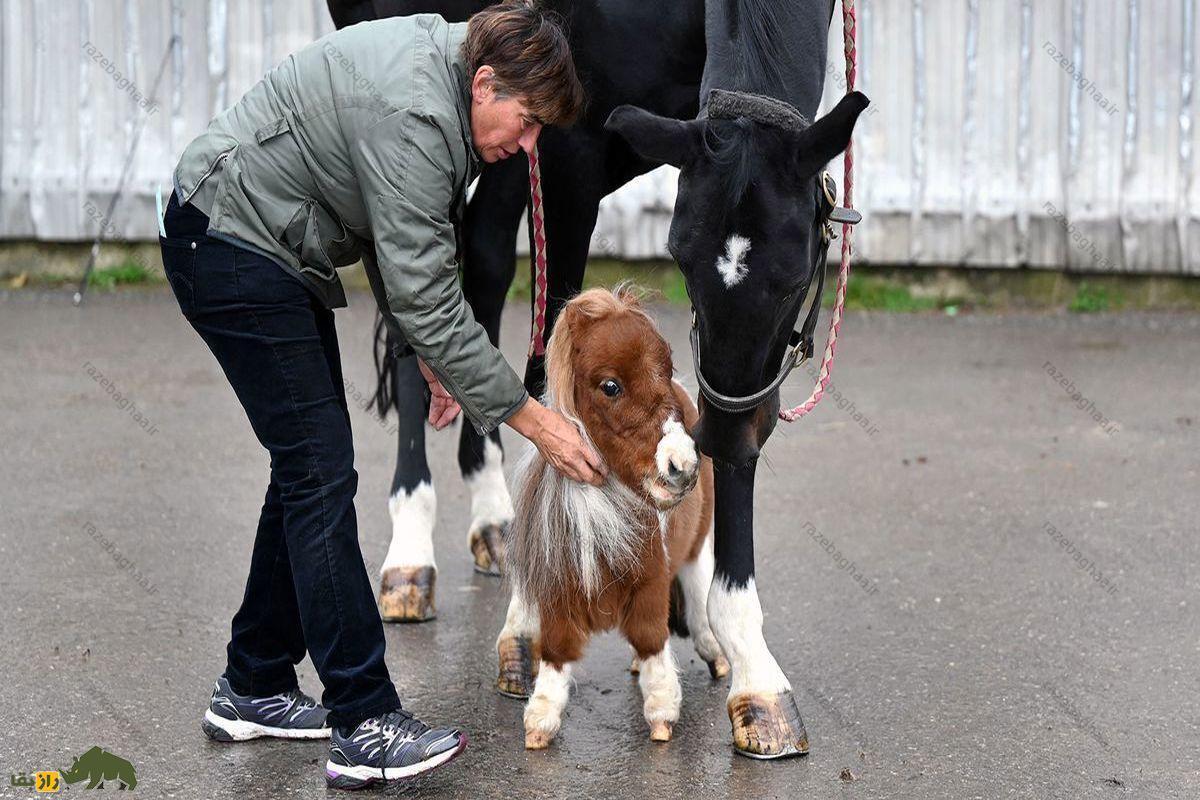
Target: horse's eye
{"x": 611, "y": 388}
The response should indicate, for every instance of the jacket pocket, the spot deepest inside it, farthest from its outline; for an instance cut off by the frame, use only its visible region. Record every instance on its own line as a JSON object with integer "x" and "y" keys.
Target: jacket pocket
{"x": 272, "y": 129}
{"x": 319, "y": 240}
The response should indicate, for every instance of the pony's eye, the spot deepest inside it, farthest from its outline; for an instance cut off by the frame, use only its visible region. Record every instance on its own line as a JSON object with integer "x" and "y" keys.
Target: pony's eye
{"x": 610, "y": 388}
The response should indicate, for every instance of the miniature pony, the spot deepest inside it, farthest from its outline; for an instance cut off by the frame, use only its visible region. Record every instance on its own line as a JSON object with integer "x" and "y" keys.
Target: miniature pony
{"x": 584, "y": 559}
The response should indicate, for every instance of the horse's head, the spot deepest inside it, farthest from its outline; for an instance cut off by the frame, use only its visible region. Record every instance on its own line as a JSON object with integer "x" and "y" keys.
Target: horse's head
{"x": 608, "y": 367}
{"x": 747, "y": 233}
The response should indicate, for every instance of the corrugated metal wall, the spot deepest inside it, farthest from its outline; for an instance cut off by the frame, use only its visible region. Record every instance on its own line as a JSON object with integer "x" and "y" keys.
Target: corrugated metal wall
{"x": 990, "y": 122}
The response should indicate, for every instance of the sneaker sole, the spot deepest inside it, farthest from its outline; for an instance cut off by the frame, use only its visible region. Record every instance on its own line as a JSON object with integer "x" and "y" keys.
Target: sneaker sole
{"x": 220, "y": 729}
{"x": 340, "y": 776}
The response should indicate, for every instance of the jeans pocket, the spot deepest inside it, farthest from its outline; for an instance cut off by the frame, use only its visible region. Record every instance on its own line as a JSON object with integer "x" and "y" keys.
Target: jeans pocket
{"x": 179, "y": 264}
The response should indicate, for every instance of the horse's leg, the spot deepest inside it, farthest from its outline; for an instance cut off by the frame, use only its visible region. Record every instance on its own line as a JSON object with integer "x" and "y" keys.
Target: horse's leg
{"x": 518, "y": 648}
{"x": 645, "y": 626}
{"x": 409, "y": 574}
{"x": 491, "y": 223}
{"x": 562, "y": 644}
{"x": 695, "y": 578}
{"x": 766, "y": 722}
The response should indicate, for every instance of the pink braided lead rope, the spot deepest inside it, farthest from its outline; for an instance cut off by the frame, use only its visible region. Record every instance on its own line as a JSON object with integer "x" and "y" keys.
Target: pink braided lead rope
{"x": 537, "y": 337}
{"x": 850, "y": 31}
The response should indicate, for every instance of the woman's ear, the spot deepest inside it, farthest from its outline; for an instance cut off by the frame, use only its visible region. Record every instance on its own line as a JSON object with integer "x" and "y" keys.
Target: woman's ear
{"x": 482, "y": 86}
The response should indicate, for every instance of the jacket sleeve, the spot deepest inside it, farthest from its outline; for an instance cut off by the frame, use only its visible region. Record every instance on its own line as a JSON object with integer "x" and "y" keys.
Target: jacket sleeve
{"x": 406, "y": 176}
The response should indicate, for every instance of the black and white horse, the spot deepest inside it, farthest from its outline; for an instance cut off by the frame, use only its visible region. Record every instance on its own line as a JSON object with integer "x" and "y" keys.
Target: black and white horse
{"x": 747, "y": 233}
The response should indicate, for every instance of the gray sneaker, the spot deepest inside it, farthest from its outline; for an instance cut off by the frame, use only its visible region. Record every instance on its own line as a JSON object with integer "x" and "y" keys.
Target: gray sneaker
{"x": 233, "y": 717}
{"x": 395, "y": 745}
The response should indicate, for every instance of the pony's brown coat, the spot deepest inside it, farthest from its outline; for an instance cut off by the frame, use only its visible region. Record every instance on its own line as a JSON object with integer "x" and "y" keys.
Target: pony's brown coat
{"x": 599, "y": 335}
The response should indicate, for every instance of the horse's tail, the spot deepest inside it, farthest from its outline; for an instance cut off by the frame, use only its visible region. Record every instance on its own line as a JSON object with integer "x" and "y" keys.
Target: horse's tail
{"x": 386, "y": 366}
{"x": 677, "y": 617}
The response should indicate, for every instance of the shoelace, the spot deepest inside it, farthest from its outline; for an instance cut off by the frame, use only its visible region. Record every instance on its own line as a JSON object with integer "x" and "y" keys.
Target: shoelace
{"x": 402, "y": 721}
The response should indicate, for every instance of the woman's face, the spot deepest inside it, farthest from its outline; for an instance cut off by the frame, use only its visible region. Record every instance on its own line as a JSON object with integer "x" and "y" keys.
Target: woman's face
{"x": 500, "y": 126}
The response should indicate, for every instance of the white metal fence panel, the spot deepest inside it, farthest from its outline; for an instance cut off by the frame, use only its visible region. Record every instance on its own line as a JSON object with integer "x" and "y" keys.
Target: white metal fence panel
{"x": 1002, "y": 133}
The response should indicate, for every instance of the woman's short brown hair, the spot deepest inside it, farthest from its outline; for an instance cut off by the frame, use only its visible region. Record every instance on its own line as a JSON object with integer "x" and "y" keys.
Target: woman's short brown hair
{"x": 528, "y": 50}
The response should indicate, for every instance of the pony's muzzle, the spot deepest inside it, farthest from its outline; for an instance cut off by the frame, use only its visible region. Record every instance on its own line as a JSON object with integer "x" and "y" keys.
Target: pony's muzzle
{"x": 678, "y": 466}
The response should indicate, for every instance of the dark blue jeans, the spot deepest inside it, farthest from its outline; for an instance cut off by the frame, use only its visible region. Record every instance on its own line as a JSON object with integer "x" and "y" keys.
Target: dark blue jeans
{"x": 308, "y": 587}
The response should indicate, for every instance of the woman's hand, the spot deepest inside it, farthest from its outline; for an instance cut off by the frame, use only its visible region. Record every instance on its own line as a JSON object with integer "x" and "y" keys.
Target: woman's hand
{"x": 443, "y": 408}
{"x": 559, "y": 442}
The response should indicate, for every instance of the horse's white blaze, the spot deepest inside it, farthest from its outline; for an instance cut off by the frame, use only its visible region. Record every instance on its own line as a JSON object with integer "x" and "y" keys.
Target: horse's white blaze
{"x": 659, "y": 681}
{"x": 736, "y": 618}
{"x": 413, "y": 515}
{"x": 696, "y": 577}
{"x": 732, "y": 265}
{"x": 675, "y": 449}
{"x": 490, "y": 501}
{"x": 521, "y": 620}
{"x": 544, "y": 710}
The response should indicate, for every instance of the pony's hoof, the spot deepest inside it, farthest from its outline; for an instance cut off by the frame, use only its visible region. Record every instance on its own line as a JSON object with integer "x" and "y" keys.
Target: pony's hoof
{"x": 487, "y": 547}
{"x": 537, "y": 740}
{"x": 767, "y": 726}
{"x": 718, "y": 667}
{"x": 406, "y": 594}
{"x": 660, "y": 731}
{"x": 519, "y": 659}
{"x": 635, "y": 666}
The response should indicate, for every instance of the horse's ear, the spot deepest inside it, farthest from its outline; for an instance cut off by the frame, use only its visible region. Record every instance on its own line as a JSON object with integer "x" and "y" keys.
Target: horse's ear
{"x": 668, "y": 141}
{"x": 820, "y": 142}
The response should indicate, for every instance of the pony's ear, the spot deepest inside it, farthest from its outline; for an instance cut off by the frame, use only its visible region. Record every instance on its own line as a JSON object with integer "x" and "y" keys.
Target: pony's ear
{"x": 661, "y": 139}
{"x": 820, "y": 142}
{"x": 560, "y": 369}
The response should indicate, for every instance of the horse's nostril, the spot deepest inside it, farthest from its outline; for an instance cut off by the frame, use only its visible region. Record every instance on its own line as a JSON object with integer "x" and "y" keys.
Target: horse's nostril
{"x": 673, "y": 472}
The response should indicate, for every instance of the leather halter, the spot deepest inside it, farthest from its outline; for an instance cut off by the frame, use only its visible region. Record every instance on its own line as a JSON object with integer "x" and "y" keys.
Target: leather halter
{"x": 769, "y": 111}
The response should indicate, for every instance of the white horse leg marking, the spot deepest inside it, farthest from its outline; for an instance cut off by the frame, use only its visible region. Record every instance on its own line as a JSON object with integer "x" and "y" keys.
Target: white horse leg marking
{"x": 696, "y": 577}
{"x": 413, "y": 516}
{"x": 543, "y": 713}
{"x": 491, "y": 507}
{"x": 659, "y": 681}
{"x": 409, "y": 574}
{"x": 517, "y": 648}
{"x": 736, "y": 619}
{"x": 522, "y": 619}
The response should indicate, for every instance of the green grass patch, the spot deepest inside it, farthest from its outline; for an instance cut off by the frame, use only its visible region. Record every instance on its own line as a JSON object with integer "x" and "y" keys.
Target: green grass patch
{"x": 126, "y": 274}
{"x": 1091, "y": 298}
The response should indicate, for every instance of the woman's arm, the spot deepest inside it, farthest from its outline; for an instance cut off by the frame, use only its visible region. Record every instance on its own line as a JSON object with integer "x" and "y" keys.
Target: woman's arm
{"x": 406, "y": 176}
{"x": 559, "y": 442}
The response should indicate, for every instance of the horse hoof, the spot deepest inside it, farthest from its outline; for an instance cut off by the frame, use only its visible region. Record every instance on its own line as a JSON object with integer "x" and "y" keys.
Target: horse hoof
{"x": 660, "y": 731}
{"x": 406, "y": 594}
{"x": 519, "y": 659}
{"x": 718, "y": 667}
{"x": 487, "y": 547}
{"x": 537, "y": 740}
{"x": 767, "y": 726}
{"x": 635, "y": 666}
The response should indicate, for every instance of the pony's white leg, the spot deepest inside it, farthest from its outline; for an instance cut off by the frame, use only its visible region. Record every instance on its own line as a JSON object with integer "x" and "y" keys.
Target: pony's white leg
{"x": 659, "y": 681}
{"x": 766, "y": 721}
{"x": 543, "y": 712}
{"x": 695, "y": 578}
{"x": 409, "y": 574}
{"x": 491, "y": 510}
{"x": 518, "y": 649}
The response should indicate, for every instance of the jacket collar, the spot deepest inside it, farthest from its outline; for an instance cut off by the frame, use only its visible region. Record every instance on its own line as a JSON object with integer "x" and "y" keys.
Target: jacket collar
{"x": 458, "y": 68}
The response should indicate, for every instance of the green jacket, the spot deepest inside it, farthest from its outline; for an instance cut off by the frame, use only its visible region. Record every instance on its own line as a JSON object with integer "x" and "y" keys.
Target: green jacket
{"x": 358, "y": 146}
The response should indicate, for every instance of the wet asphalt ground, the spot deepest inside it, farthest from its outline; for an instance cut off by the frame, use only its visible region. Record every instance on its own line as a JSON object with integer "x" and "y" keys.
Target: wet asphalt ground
{"x": 1025, "y": 622}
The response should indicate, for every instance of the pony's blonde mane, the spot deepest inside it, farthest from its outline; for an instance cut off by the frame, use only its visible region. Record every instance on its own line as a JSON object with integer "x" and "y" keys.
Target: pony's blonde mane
{"x": 566, "y": 533}
{"x": 593, "y": 304}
